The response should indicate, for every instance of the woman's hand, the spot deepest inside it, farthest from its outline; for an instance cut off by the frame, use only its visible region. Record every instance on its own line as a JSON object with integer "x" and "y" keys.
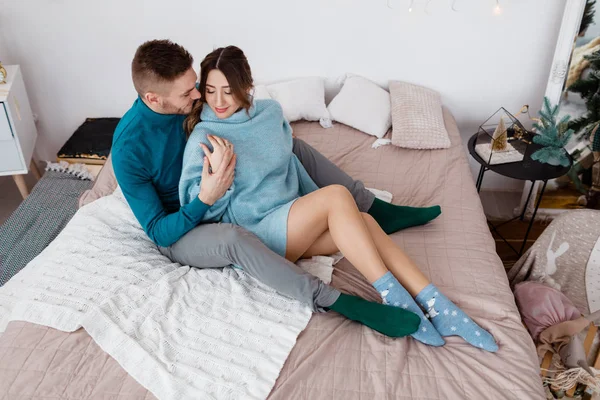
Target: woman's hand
{"x": 220, "y": 147}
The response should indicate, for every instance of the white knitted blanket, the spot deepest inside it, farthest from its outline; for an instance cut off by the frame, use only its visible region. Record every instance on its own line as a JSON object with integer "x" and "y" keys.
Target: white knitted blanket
{"x": 183, "y": 333}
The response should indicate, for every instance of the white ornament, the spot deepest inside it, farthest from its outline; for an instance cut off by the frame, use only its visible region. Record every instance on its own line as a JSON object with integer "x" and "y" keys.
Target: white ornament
{"x": 431, "y": 311}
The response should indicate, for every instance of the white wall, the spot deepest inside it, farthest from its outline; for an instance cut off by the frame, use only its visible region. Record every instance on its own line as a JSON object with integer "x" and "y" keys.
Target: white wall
{"x": 4, "y": 57}
{"x": 76, "y": 54}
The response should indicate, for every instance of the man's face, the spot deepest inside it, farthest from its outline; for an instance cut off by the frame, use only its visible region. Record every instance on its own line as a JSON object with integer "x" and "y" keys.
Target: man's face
{"x": 180, "y": 95}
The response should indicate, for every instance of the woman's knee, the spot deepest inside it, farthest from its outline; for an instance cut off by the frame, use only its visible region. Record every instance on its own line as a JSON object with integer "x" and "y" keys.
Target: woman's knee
{"x": 338, "y": 192}
{"x": 369, "y": 220}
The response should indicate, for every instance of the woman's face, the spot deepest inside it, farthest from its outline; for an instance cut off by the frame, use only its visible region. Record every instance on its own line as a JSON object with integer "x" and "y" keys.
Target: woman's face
{"x": 219, "y": 96}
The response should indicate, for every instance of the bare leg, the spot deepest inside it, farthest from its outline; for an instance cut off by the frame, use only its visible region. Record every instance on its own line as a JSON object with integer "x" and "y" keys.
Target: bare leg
{"x": 402, "y": 285}
{"x": 403, "y": 268}
{"x": 310, "y": 218}
{"x": 327, "y": 220}
{"x": 332, "y": 209}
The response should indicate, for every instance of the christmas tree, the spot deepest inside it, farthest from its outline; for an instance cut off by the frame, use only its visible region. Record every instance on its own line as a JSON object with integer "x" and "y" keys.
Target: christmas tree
{"x": 588, "y": 16}
{"x": 500, "y": 137}
{"x": 589, "y": 89}
{"x": 552, "y": 135}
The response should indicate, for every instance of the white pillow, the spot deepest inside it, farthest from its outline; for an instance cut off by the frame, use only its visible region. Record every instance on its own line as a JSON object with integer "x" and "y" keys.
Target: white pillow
{"x": 363, "y": 105}
{"x": 261, "y": 93}
{"x": 301, "y": 99}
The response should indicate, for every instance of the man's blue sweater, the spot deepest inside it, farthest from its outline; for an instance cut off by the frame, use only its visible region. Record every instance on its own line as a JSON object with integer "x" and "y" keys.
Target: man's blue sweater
{"x": 147, "y": 155}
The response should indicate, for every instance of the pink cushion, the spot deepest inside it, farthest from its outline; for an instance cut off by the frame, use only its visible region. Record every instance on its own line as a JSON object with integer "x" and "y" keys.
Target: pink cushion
{"x": 105, "y": 184}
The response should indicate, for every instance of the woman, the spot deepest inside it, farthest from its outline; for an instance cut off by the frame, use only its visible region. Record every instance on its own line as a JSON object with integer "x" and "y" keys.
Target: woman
{"x": 273, "y": 197}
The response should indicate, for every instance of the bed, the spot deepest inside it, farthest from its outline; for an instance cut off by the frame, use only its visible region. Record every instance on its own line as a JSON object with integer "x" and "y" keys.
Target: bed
{"x": 334, "y": 358}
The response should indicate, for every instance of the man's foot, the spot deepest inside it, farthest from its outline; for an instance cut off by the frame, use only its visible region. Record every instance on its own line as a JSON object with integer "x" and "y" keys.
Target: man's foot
{"x": 391, "y": 321}
{"x": 393, "y": 218}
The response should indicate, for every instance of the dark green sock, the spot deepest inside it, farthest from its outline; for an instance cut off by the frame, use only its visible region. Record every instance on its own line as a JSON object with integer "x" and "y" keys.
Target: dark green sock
{"x": 392, "y": 218}
{"x": 391, "y": 321}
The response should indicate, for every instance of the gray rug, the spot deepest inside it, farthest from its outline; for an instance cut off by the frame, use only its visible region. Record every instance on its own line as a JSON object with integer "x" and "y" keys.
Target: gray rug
{"x": 38, "y": 220}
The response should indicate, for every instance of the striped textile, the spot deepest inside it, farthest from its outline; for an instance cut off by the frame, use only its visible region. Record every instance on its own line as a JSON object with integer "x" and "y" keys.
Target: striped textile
{"x": 38, "y": 220}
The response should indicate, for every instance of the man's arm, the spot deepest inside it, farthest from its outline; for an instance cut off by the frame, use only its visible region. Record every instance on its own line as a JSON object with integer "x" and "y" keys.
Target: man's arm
{"x": 164, "y": 229}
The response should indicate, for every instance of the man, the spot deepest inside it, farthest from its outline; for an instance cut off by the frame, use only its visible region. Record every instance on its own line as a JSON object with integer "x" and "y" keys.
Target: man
{"x": 147, "y": 155}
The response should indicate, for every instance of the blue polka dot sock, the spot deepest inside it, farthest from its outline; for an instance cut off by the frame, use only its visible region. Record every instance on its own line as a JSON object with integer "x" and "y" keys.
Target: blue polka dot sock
{"x": 394, "y": 294}
{"x": 449, "y": 320}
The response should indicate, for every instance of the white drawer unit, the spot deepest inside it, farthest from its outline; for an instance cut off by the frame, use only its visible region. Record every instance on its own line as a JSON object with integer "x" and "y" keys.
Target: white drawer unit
{"x": 5, "y": 129}
{"x": 17, "y": 129}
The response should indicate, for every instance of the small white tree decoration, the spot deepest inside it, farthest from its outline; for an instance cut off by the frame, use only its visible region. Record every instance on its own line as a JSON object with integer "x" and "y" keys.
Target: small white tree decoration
{"x": 500, "y": 137}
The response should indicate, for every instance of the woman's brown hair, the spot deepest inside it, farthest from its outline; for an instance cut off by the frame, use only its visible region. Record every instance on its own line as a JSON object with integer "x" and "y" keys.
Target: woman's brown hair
{"x": 232, "y": 62}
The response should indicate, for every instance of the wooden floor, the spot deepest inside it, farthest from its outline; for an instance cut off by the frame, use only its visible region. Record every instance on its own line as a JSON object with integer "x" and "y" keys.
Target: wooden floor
{"x": 501, "y": 206}
{"x": 565, "y": 197}
{"x": 514, "y": 233}
{"x": 10, "y": 198}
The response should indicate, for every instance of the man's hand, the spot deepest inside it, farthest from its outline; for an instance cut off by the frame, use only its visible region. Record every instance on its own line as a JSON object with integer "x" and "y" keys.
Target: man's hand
{"x": 220, "y": 146}
{"x": 215, "y": 184}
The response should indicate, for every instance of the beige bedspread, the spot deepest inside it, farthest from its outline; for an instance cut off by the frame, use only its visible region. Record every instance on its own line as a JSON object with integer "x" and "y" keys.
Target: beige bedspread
{"x": 335, "y": 358}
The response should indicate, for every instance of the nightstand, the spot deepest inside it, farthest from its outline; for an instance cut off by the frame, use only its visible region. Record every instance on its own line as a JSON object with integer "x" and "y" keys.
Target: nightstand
{"x": 17, "y": 130}
{"x": 526, "y": 170}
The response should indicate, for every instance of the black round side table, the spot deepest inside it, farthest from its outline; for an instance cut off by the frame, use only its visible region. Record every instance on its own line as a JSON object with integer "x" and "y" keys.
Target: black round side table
{"x": 525, "y": 170}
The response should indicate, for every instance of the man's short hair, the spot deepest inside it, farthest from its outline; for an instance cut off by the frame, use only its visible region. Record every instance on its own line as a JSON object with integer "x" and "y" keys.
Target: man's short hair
{"x": 157, "y": 62}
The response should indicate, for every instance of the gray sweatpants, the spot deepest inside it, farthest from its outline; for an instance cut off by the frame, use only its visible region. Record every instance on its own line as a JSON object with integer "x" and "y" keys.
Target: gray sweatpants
{"x": 220, "y": 245}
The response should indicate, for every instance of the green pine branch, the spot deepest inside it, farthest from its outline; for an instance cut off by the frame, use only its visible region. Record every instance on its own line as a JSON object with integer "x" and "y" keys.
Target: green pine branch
{"x": 588, "y": 16}
{"x": 552, "y": 134}
{"x": 579, "y": 123}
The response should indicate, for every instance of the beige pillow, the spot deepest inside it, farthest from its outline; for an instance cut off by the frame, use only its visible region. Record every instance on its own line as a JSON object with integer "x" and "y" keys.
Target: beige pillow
{"x": 105, "y": 184}
{"x": 417, "y": 117}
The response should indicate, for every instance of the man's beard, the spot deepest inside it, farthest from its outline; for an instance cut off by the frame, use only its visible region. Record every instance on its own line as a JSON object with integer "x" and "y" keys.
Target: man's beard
{"x": 169, "y": 108}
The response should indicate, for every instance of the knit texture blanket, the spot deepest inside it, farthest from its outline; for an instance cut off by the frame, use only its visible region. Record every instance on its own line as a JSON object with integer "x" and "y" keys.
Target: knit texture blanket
{"x": 183, "y": 333}
{"x": 566, "y": 257}
{"x": 268, "y": 176}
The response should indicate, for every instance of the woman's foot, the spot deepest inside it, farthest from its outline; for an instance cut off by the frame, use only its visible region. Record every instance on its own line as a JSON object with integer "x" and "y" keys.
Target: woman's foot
{"x": 449, "y": 320}
{"x": 393, "y": 293}
{"x": 393, "y": 218}
{"x": 388, "y": 320}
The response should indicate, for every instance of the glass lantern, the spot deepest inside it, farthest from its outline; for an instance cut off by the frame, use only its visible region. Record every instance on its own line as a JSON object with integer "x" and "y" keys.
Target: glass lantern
{"x": 502, "y": 139}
